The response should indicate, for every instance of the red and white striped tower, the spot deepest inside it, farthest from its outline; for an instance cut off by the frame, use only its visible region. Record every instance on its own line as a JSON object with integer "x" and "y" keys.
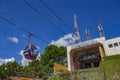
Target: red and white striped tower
{"x": 76, "y": 32}
{"x": 100, "y": 30}
{"x": 87, "y": 34}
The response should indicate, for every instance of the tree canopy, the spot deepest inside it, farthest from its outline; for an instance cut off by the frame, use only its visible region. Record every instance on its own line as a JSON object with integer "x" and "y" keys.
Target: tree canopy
{"x": 42, "y": 68}
{"x": 54, "y": 54}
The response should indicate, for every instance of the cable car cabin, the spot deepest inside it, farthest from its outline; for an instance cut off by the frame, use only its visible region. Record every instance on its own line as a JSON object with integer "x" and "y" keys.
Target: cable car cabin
{"x": 31, "y": 52}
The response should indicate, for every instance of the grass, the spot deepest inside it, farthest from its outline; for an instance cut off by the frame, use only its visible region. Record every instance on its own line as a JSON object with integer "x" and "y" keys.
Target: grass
{"x": 109, "y": 69}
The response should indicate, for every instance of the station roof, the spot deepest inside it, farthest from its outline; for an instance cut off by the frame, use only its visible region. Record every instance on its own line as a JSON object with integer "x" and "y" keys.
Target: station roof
{"x": 85, "y": 49}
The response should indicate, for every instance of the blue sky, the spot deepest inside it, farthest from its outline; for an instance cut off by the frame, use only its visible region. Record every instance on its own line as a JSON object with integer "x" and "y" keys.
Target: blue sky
{"x": 89, "y": 13}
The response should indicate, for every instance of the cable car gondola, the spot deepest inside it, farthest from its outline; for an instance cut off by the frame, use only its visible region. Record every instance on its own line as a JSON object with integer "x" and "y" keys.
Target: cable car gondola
{"x": 30, "y": 52}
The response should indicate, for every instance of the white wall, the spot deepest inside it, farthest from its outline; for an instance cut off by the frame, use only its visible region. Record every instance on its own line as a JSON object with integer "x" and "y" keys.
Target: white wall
{"x": 81, "y": 44}
{"x": 108, "y": 51}
{"x": 69, "y": 58}
{"x": 101, "y": 39}
{"x": 113, "y": 50}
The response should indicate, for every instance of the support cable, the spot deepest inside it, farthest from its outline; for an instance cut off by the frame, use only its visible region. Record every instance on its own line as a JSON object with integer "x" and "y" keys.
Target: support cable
{"x": 56, "y": 15}
{"x": 50, "y": 22}
{"x": 22, "y": 29}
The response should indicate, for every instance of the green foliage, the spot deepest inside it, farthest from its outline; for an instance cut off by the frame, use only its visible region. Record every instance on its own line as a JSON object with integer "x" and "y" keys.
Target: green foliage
{"x": 2, "y": 72}
{"x": 10, "y": 69}
{"x": 87, "y": 74}
{"x": 42, "y": 68}
{"x": 109, "y": 69}
{"x": 54, "y": 54}
{"x": 34, "y": 70}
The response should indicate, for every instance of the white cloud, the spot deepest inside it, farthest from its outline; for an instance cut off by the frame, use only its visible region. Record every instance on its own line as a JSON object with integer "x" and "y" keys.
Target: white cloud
{"x": 4, "y": 61}
{"x": 13, "y": 39}
{"x": 64, "y": 41}
{"x": 24, "y": 61}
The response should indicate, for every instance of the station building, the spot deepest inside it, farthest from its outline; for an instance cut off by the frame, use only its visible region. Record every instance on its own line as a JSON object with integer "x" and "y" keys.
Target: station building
{"x": 90, "y": 53}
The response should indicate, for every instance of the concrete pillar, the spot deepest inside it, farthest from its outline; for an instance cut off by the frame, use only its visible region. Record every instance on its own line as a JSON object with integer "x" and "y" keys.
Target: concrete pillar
{"x": 92, "y": 64}
{"x": 69, "y": 58}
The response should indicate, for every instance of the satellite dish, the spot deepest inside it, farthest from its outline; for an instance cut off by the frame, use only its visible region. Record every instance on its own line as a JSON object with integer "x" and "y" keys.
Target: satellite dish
{"x": 30, "y": 52}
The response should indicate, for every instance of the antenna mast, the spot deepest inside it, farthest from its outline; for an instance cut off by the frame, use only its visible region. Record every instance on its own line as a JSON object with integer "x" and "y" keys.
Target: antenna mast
{"x": 76, "y": 32}
{"x": 100, "y": 30}
{"x": 87, "y": 34}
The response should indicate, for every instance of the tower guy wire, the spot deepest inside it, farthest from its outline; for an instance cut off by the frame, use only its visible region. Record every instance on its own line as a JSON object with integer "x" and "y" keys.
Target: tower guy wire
{"x": 49, "y": 21}
{"x": 56, "y": 15}
{"x": 22, "y": 29}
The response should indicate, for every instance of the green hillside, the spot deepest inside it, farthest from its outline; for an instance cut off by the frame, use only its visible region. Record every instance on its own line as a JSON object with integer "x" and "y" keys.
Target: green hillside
{"x": 109, "y": 69}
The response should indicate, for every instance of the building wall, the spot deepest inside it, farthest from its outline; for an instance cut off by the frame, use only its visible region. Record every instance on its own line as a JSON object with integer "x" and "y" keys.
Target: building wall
{"x": 81, "y": 44}
{"x": 69, "y": 58}
{"x": 112, "y": 46}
